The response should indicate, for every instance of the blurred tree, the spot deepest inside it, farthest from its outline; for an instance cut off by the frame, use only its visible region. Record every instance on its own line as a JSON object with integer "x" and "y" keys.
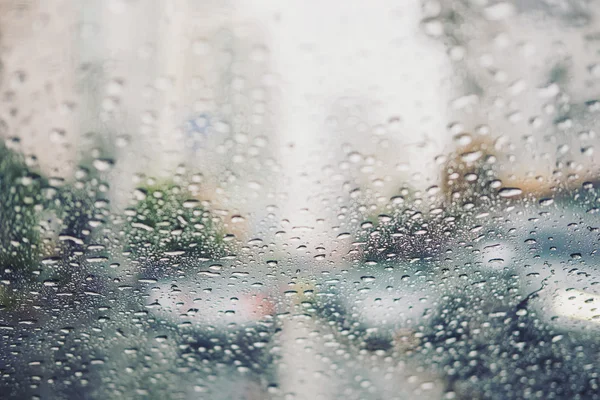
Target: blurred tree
{"x": 410, "y": 226}
{"x": 469, "y": 174}
{"x": 166, "y": 221}
{"x": 21, "y": 201}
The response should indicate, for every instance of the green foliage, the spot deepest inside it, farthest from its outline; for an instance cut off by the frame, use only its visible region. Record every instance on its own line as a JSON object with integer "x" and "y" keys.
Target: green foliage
{"x": 20, "y": 204}
{"x": 407, "y": 237}
{"x": 27, "y": 198}
{"x": 167, "y": 221}
{"x": 77, "y": 203}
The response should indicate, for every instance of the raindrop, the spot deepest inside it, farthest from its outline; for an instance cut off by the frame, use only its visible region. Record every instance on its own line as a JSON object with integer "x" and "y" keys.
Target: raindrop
{"x": 103, "y": 164}
{"x": 510, "y": 192}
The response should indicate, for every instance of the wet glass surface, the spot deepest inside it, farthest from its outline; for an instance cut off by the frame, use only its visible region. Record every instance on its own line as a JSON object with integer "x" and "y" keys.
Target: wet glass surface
{"x": 299, "y": 200}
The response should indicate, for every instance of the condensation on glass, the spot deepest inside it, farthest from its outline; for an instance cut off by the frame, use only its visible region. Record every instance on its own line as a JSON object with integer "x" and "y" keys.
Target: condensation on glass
{"x": 299, "y": 200}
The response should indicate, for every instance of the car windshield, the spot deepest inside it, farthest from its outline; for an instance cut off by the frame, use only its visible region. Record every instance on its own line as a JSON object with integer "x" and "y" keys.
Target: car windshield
{"x": 261, "y": 199}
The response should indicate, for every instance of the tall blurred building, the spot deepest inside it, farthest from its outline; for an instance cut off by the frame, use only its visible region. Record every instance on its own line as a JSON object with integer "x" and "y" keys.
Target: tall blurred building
{"x": 39, "y": 80}
{"x": 150, "y": 85}
{"x": 525, "y": 77}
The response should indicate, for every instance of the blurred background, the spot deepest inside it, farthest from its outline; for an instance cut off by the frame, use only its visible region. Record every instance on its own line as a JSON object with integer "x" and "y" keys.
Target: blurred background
{"x": 303, "y": 200}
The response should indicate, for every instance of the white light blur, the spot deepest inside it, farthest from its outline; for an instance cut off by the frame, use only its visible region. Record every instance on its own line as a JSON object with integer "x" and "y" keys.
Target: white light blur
{"x": 577, "y": 305}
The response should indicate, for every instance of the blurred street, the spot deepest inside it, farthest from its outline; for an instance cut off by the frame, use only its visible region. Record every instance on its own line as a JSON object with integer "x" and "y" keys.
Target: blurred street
{"x": 257, "y": 200}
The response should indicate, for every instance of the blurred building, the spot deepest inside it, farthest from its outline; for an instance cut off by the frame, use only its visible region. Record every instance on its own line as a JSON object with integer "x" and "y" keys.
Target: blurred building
{"x": 526, "y": 77}
{"x": 39, "y": 81}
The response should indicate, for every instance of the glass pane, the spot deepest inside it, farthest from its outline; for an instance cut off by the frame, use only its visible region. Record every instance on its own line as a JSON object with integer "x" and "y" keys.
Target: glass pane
{"x": 206, "y": 199}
